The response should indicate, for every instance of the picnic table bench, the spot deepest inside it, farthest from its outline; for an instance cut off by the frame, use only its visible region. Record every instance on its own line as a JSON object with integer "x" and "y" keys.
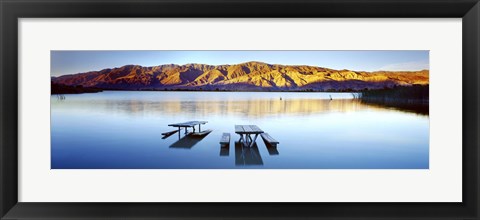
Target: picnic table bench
{"x": 225, "y": 140}
{"x": 248, "y": 130}
{"x": 269, "y": 139}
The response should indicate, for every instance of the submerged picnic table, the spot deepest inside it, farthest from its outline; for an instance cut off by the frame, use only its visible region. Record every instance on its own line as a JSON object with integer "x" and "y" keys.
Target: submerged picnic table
{"x": 188, "y": 124}
{"x": 248, "y": 130}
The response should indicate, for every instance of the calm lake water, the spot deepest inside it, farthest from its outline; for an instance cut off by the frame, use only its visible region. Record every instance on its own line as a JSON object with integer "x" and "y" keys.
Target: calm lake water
{"x": 122, "y": 130}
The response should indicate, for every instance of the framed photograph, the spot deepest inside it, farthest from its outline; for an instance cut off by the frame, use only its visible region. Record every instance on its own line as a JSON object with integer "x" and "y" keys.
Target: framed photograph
{"x": 252, "y": 110}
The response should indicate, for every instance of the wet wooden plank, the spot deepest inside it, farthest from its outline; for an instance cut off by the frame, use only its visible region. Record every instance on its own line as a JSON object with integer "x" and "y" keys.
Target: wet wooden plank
{"x": 239, "y": 129}
{"x": 256, "y": 129}
{"x": 187, "y": 124}
{"x": 169, "y": 132}
{"x": 247, "y": 129}
{"x": 202, "y": 133}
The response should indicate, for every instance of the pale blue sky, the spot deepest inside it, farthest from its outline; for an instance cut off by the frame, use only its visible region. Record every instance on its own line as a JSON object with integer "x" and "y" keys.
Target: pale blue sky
{"x": 70, "y": 62}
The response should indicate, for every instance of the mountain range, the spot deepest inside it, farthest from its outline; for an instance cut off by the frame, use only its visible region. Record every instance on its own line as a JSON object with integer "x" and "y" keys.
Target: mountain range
{"x": 244, "y": 76}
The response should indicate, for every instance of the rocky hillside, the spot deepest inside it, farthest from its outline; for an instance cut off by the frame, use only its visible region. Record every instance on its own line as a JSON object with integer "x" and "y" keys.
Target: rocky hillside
{"x": 244, "y": 76}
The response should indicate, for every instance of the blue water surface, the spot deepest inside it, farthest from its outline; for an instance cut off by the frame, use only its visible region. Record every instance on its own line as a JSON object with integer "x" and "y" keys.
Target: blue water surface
{"x": 122, "y": 130}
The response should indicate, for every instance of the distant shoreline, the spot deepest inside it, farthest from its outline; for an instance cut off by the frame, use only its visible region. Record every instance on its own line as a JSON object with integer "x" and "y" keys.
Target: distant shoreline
{"x": 283, "y": 91}
{"x": 370, "y": 93}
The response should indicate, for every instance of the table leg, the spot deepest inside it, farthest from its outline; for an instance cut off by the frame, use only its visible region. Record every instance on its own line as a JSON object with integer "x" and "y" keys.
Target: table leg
{"x": 241, "y": 138}
{"x": 254, "y": 139}
{"x": 249, "y": 140}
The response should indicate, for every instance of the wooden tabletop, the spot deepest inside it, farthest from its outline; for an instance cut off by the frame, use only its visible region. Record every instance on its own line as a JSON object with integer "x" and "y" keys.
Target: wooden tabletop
{"x": 247, "y": 129}
{"x": 188, "y": 124}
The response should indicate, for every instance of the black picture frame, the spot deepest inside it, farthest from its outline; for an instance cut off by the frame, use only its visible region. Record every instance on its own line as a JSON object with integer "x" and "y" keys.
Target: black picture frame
{"x": 12, "y": 10}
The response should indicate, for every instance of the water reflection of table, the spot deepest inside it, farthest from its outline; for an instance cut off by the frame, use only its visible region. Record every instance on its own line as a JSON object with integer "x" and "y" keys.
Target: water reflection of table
{"x": 187, "y": 142}
{"x": 247, "y": 130}
{"x": 245, "y": 156}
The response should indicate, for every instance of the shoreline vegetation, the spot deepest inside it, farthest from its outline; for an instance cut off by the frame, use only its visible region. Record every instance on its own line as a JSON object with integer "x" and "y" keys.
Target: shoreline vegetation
{"x": 413, "y": 98}
{"x": 396, "y": 92}
{"x": 59, "y": 89}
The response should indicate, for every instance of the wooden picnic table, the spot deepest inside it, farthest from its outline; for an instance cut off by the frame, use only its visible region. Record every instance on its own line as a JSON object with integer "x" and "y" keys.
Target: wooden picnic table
{"x": 248, "y": 130}
{"x": 189, "y": 124}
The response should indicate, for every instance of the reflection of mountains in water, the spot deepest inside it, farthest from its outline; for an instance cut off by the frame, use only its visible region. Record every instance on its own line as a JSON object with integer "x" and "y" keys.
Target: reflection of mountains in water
{"x": 256, "y": 108}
